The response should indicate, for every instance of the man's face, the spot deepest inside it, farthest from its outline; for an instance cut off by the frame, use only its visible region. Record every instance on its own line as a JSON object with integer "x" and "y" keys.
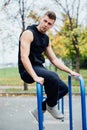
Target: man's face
{"x": 45, "y": 24}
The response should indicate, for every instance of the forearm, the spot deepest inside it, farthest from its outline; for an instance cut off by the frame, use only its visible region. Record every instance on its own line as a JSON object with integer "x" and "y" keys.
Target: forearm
{"x": 28, "y": 66}
{"x": 52, "y": 57}
{"x": 61, "y": 66}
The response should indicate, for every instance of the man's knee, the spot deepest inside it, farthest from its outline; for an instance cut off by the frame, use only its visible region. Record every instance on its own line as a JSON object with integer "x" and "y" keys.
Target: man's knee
{"x": 55, "y": 78}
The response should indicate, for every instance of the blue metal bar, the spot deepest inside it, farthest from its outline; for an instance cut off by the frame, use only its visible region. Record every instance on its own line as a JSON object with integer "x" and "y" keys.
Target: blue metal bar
{"x": 62, "y": 105}
{"x": 58, "y": 104}
{"x": 83, "y": 102}
{"x": 70, "y": 102}
{"x": 39, "y": 89}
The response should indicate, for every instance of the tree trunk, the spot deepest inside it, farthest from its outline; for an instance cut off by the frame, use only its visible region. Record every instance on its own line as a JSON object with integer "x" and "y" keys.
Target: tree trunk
{"x": 25, "y": 86}
{"x": 77, "y": 61}
{"x": 22, "y": 10}
{"x": 75, "y": 43}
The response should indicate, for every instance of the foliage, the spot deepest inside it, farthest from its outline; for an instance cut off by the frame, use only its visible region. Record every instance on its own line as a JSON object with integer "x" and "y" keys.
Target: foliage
{"x": 58, "y": 45}
{"x": 71, "y": 29}
{"x": 69, "y": 43}
{"x": 83, "y": 41}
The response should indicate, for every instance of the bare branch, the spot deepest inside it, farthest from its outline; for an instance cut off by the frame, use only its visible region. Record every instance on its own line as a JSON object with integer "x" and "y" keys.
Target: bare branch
{"x": 6, "y": 3}
{"x": 58, "y": 2}
{"x": 68, "y": 14}
{"x": 77, "y": 12}
{"x": 66, "y": 11}
{"x": 73, "y": 3}
{"x": 20, "y": 11}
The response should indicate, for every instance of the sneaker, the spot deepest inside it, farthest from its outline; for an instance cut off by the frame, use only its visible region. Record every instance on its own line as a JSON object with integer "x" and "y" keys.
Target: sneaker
{"x": 35, "y": 113}
{"x": 54, "y": 112}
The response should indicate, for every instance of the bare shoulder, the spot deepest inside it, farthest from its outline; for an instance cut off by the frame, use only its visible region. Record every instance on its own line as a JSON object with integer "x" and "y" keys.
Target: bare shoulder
{"x": 27, "y": 35}
{"x": 48, "y": 47}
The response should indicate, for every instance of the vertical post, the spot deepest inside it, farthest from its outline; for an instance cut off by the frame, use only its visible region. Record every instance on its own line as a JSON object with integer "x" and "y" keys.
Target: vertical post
{"x": 58, "y": 104}
{"x": 39, "y": 89}
{"x": 63, "y": 105}
{"x": 70, "y": 102}
{"x": 83, "y": 103}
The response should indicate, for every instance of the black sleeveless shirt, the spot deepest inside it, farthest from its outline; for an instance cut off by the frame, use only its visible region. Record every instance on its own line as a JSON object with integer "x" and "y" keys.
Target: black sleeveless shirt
{"x": 37, "y": 48}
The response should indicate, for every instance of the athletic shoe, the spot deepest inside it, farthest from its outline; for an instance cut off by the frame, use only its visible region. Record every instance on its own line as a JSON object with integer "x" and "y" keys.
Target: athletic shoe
{"x": 54, "y": 112}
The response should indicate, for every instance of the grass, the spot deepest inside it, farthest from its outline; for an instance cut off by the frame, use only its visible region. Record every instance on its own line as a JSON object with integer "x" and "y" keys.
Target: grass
{"x": 18, "y": 90}
{"x": 11, "y": 77}
{"x": 33, "y": 90}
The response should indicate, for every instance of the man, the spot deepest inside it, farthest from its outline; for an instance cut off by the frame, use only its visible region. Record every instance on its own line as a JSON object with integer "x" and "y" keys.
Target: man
{"x": 33, "y": 42}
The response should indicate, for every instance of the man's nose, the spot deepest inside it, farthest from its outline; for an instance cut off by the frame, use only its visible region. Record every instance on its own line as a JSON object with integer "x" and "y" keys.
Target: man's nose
{"x": 46, "y": 24}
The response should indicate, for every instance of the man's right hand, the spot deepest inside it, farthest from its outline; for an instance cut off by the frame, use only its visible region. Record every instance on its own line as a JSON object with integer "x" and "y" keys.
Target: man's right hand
{"x": 39, "y": 80}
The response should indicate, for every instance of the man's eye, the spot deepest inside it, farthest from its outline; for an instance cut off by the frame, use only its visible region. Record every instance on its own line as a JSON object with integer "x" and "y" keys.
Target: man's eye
{"x": 49, "y": 23}
{"x": 45, "y": 21}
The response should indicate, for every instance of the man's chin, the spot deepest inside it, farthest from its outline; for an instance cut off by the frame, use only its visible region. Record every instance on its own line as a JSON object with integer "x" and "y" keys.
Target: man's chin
{"x": 43, "y": 31}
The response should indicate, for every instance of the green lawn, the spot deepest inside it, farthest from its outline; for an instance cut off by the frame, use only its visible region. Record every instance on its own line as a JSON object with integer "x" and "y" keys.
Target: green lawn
{"x": 11, "y": 77}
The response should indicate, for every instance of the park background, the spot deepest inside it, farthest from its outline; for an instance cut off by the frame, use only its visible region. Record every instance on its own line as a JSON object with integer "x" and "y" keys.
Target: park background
{"x": 68, "y": 38}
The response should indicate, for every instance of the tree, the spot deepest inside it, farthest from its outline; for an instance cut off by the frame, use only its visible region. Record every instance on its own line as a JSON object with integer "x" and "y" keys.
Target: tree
{"x": 19, "y": 16}
{"x": 72, "y": 42}
{"x": 70, "y": 13}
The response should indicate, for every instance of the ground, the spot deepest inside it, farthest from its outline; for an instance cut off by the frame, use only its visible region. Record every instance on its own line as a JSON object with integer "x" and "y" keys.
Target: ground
{"x": 15, "y": 114}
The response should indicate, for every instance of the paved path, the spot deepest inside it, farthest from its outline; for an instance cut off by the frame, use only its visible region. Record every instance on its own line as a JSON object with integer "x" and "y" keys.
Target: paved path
{"x": 15, "y": 114}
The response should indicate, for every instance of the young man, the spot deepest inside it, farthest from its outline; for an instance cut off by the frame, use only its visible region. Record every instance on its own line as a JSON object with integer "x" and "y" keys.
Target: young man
{"x": 33, "y": 42}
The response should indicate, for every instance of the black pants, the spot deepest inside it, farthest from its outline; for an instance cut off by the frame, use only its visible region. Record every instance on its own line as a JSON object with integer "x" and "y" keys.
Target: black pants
{"x": 55, "y": 88}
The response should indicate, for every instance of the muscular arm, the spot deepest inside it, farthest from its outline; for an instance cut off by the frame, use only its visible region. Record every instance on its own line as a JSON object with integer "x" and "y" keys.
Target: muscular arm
{"x": 54, "y": 60}
{"x": 26, "y": 39}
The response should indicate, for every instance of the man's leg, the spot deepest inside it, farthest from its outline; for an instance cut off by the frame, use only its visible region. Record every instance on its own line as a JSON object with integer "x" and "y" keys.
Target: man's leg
{"x": 55, "y": 89}
{"x": 52, "y": 85}
{"x": 63, "y": 89}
